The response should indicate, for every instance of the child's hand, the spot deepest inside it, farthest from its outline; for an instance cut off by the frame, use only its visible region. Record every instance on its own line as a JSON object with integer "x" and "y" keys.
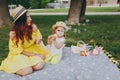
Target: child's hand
{"x": 38, "y": 40}
{"x": 49, "y": 39}
{"x": 53, "y": 38}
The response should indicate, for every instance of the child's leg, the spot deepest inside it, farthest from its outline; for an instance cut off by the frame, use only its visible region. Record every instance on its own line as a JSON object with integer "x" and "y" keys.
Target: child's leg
{"x": 56, "y": 59}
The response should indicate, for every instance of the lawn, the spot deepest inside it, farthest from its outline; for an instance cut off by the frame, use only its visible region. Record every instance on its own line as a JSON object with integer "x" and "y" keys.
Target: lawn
{"x": 88, "y": 9}
{"x": 102, "y": 30}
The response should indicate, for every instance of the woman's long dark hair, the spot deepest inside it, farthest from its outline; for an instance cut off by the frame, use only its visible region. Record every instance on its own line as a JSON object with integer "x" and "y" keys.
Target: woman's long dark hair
{"x": 22, "y": 30}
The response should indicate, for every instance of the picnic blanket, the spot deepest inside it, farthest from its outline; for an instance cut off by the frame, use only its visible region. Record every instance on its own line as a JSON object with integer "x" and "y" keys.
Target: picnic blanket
{"x": 73, "y": 67}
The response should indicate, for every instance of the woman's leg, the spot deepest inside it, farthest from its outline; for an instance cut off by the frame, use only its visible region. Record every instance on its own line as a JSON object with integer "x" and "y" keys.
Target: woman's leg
{"x": 25, "y": 71}
{"x": 38, "y": 66}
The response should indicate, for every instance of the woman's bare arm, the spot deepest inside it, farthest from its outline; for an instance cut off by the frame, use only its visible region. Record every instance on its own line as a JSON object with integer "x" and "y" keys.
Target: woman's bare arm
{"x": 28, "y": 53}
{"x": 32, "y": 54}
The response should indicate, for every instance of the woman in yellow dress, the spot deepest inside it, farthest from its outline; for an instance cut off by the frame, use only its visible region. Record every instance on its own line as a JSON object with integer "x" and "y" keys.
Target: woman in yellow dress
{"x": 26, "y": 50}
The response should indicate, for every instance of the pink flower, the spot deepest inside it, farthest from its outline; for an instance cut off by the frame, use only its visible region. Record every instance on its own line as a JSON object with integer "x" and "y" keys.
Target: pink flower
{"x": 96, "y": 51}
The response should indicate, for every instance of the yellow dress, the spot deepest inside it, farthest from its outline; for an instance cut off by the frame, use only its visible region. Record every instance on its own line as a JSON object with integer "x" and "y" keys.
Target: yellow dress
{"x": 56, "y": 54}
{"x": 16, "y": 61}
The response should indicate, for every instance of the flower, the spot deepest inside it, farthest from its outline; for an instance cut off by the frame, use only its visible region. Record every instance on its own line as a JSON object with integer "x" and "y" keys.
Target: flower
{"x": 79, "y": 31}
{"x": 75, "y": 30}
{"x": 87, "y": 20}
{"x": 79, "y": 24}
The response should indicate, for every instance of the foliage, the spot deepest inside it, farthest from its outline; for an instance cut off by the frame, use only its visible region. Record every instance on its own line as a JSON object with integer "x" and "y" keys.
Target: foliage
{"x": 52, "y": 0}
{"x": 39, "y": 3}
{"x": 29, "y": 3}
{"x": 44, "y": 2}
{"x": 34, "y": 3}
{"x": 25, "y": 3}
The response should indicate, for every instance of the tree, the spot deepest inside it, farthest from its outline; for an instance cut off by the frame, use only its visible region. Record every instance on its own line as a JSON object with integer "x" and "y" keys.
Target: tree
{"x": 76, "y": 12}
{"x": 118, "y": 1}
{"x": 82, "y": 12}
{"x": 4, "y": 14}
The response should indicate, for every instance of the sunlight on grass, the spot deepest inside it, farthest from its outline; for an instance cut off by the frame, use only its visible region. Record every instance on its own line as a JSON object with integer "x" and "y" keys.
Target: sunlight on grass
{"x": 102, "y": 9}
{"x": 88, "y": 9}
{"x": 71, "y": 41}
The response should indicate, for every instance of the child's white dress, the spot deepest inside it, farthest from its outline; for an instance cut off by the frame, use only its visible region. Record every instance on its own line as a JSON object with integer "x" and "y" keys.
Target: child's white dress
{"x": 56, "y": 53}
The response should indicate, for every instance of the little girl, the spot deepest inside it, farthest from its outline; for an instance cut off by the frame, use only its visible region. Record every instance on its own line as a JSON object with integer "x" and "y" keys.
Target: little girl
{"x": 56, "y": 42}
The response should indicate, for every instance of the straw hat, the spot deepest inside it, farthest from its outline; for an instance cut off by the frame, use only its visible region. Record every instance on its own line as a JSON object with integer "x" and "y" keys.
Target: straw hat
{"x": 18, "y": 12}
{"x": 58, "y": 24}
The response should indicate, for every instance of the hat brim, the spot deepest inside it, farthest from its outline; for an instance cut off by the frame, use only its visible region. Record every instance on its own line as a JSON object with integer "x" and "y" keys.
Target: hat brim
{"x": 19, "y": 16}
{"x": 55, "y": 26}
{"x": 18, "y": 12}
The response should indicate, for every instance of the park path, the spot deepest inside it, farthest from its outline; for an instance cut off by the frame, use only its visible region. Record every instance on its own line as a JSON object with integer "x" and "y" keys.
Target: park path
{"x": 87, "y": 13}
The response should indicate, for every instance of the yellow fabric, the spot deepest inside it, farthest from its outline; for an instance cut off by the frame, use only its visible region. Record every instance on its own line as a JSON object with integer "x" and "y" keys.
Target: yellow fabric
{"x": 53, "y": 59}
{"x": 56, "y": 59}
{"x": 16, "y": 61}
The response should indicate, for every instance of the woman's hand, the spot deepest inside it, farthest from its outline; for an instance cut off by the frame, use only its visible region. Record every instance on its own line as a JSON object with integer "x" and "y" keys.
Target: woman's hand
{"x": 33, "y": 54}
{"x": 12, "y": 35}
{"x": 41, "y": 56}
{"x": 38, "y": 40}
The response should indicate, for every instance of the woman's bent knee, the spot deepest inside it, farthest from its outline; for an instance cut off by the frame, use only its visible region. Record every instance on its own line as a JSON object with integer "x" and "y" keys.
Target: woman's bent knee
{"x": 25, "y": 71}
{"x": 38, "y": 66}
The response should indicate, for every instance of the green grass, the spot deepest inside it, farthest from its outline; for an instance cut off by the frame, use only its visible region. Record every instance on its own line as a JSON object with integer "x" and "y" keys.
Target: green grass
{"x": 50, "y": 10}
{"x": 88, "y": 9}
{"x": 103, "y": 30}
{"x": 4, "y": 42}
{"x": 102, "y": 9}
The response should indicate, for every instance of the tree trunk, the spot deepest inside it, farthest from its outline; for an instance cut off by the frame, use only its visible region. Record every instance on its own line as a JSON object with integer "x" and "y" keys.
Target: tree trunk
{"x": 83, "y": 10}
{"x": 74, "y": 12}
{"x": 119, "y": 7}
{"x": 100, "y": 2}
{"x": 118, "y": 1}
{"x": 4, "y": 14}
